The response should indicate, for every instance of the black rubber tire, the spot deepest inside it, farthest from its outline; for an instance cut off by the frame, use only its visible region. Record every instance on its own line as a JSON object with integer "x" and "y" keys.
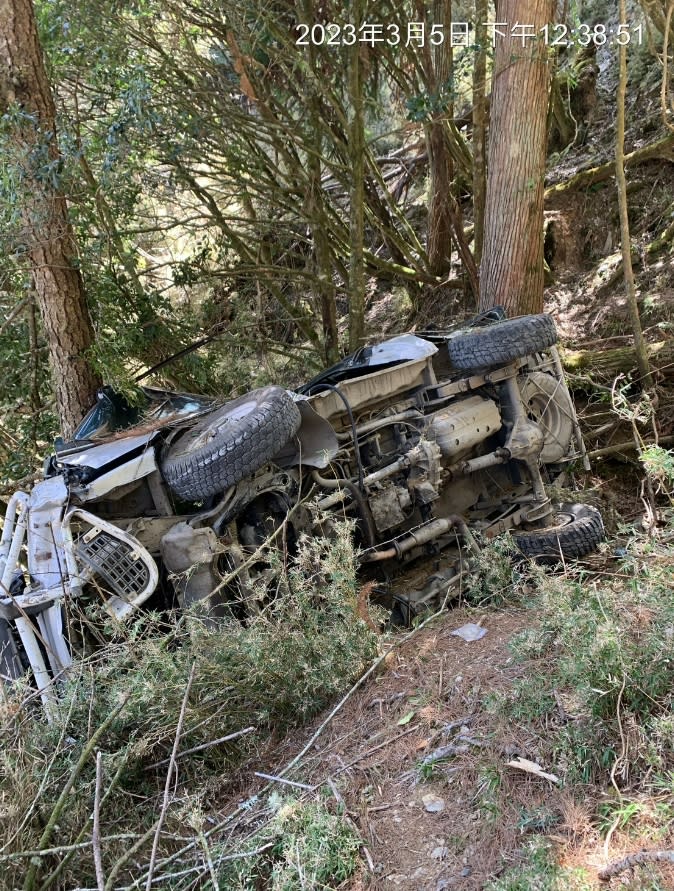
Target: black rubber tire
{"x": 231, "y": 443}
{"x": 578, "y": 531}
{"x": 502, "y": 342}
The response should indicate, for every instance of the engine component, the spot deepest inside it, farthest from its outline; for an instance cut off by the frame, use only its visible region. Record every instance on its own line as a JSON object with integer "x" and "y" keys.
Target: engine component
{"x": 191, "y": 554}
{"x": 388, "y": 506}
{"x": 464, "y": 424}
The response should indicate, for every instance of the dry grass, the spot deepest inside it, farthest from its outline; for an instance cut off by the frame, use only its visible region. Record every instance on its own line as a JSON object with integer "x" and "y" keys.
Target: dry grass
{"x": 129, "y": 703}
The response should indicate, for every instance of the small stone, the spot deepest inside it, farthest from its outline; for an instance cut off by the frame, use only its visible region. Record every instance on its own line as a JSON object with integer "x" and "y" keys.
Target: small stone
{"x": 433, "y": 803}
{"x": 466, "y": 871}
{"x": 442, "y": 885}
{"x": 419, "y": 873}
{"x": 439, "y": 853}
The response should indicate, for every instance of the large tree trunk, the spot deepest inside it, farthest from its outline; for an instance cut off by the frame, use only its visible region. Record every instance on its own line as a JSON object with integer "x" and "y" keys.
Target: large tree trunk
{"x": 511, "y": 271}
{"x": 439, "y": 74}
{"x": 479, "y": 126}
{"x": 46, "y": 232}
{"x": 357, "y": 196}
{"x": 621, "y": 182}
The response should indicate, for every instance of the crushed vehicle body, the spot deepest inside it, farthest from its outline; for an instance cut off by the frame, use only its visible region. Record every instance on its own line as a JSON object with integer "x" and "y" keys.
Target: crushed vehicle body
{"x": 429, "y": 442}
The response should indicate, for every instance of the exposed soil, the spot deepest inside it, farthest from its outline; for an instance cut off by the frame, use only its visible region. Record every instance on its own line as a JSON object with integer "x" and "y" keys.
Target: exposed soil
{"x": 466, "y": 819}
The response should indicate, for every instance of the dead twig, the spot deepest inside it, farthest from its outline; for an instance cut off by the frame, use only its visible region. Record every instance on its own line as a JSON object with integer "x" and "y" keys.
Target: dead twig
{"x": 169, "y": 777}
{"x": 445, "y": 752}
{"x": 60, "y": 850}
{"x": 202, "y": 747}
{"x": 382, "y": 745}
{"x": 268, "y": 776}
{"x": 29, "y": 881}
{"x": 628, "y": 862}
{"x": 96, "y": 831}
{"x": 347, "y": 819}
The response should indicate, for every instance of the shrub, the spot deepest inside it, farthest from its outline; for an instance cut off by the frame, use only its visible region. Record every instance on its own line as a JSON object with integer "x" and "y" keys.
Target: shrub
{"x": 276, "y": 670}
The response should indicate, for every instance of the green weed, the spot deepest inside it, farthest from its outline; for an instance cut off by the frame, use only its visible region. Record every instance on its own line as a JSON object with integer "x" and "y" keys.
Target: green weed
{"x": 540, "y": 872}
{"x": 311, "y": 848}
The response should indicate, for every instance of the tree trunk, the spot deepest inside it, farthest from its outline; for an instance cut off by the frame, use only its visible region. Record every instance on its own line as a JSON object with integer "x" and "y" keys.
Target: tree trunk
{"x": 357, "y": 197}
{"x": 621, "y": 182}
{"x": 479, "y": 126}
{"x": 511, "y": 271}
{"x": 439, "y": 74}
{"x": 46, "y": 232}
{"x": 322, "y": 256}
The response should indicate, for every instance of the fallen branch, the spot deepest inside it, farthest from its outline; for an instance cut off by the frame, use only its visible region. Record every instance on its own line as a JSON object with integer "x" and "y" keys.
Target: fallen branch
{"x": 608, "y": 364}
{"x": 635, "y": 860}
{"x": 273, "y": 779}
{"x": 629, "y": 446}
{"x": 96, "y": 831}
{"x": 202, "y": 747}
{"x": 662, "y": 148}
{"x": 169, "y": 777}
{"x": 445, "y": 752}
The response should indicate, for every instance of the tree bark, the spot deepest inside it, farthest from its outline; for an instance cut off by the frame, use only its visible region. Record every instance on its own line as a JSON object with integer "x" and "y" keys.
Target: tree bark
{"x": 357, "y": 197}
{"x": 46, "y": 234}
{"x": 621, "y": 182}
{"x": 439, "y": 64}
{"x": 322, "y": 255}
{"x": 479, "y": 127}
{"x": 511, "y": 271}
{"x": 605, "y": 365}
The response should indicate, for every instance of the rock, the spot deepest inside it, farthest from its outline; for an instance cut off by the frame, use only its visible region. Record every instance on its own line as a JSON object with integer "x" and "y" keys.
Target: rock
{"x": 439, "y": 853}
{"x": 433, "y": 803}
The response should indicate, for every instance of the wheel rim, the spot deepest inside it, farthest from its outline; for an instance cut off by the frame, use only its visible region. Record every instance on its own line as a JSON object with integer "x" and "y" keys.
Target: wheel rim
{"x": 562, "y": 519}
{"x": 548, "y": 405}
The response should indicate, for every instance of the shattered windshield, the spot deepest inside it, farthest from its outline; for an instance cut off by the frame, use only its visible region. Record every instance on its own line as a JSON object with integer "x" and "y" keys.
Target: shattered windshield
{"x": 113, "y": 413}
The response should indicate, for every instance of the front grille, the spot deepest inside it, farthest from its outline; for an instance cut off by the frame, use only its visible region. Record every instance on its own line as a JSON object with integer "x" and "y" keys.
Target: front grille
{"x": 115, "y": 561}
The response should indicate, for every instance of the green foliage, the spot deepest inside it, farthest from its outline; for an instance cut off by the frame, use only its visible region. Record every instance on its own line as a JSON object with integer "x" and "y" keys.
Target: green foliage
{"x": 495, "y": 577}
{"x": 312, "y": 848}
{"x": 273, "y": 672}
{"x": 607, "y": 651}
{"x": 659, "y": 465}
{"x": 540, "y": 872}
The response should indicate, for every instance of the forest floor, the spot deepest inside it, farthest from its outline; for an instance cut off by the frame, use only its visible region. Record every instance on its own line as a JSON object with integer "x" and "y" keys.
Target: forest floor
{"x": 419, "y": 760}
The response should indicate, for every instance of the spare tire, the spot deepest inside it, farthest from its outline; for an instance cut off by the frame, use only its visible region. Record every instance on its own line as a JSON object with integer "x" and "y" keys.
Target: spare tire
{"x": 577, "y": 530}
{"x": 230, "y": 443}
{"x": 502, "y": 342}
